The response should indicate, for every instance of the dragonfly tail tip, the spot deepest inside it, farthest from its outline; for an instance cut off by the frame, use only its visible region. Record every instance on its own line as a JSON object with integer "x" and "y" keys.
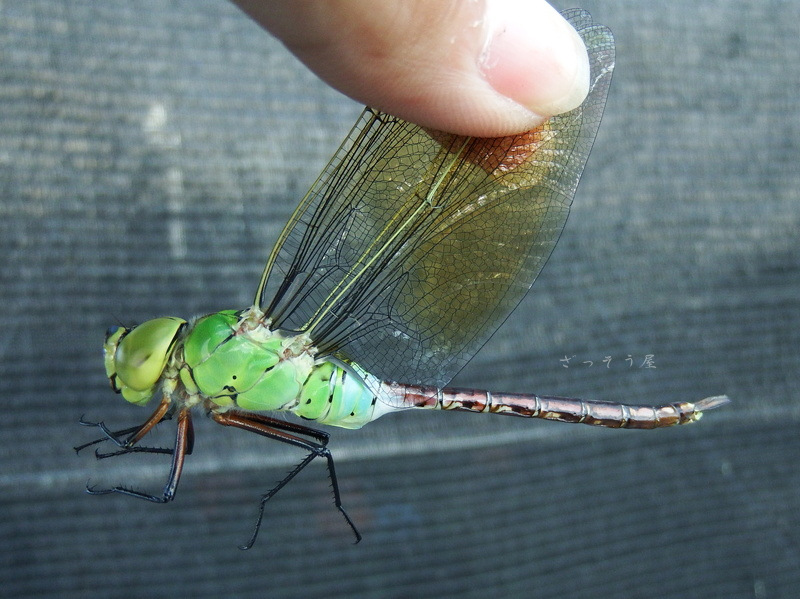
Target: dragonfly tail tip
{"x": 710, "y": 403}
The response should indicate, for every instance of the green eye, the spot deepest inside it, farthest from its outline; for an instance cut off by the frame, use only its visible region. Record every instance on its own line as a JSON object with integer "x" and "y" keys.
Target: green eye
{"x": 142, "y": 354}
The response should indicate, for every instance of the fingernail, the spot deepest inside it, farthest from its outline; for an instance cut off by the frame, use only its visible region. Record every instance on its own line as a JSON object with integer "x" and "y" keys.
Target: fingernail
{"x": 534, "y": 57}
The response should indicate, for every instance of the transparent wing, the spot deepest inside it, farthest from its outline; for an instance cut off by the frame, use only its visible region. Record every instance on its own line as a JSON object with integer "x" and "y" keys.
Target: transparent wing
{"x": 413, "y": 246}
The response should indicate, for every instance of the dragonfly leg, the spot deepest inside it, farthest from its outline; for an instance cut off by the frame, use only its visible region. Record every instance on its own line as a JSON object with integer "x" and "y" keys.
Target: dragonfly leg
{"x": 184, "y": 443}
{"x": 126, "y": 438}
{"x": 286, "y": 432}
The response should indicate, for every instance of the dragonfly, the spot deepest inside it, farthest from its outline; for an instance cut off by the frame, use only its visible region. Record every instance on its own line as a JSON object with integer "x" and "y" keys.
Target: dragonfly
{"x": 408, "y": 252}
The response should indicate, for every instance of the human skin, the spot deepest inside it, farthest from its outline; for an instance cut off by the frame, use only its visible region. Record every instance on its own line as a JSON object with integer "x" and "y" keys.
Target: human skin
{"x": 473, "y": 67}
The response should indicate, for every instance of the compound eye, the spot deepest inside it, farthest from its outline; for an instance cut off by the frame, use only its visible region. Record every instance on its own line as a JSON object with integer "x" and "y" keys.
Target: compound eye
{"x": 143, "y": 353}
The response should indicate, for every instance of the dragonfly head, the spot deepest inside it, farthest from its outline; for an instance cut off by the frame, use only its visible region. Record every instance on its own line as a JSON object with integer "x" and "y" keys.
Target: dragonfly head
{"x": 135, "y": 358}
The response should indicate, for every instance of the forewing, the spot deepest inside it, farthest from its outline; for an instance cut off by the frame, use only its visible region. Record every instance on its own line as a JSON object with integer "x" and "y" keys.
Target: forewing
{"x": 413, "y": 246}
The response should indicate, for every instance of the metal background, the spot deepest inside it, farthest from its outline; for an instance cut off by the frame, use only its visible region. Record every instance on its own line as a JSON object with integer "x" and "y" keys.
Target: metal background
{"x": 150, "y": 153}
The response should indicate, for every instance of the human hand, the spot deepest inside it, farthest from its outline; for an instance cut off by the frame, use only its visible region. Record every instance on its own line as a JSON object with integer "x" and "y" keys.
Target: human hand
{"x": 489, "y": 68}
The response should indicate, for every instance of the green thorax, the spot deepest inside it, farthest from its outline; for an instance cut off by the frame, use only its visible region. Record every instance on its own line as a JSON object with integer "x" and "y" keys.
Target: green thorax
{"x": 234, "y": 360}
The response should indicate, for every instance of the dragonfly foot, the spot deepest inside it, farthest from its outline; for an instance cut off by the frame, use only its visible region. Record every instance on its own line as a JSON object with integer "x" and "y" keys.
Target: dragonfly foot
{"x": 108, "y": 435}
{"x": 129, "y": 492}
{"x": 352, "y": 526}
{"x": 136, "y": 449}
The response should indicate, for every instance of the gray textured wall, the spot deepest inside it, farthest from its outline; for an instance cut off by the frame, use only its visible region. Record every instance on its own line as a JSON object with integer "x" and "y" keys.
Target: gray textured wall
{"x": 149, "y": 156}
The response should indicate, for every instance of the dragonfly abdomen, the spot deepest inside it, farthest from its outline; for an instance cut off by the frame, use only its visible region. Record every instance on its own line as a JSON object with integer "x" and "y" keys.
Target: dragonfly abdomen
{"x": 563, "y": 409}
{"x": 336, "y": 394}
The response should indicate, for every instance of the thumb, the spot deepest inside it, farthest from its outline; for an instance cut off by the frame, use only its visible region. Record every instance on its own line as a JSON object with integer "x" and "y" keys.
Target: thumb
{"x": 489, "y": 68}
